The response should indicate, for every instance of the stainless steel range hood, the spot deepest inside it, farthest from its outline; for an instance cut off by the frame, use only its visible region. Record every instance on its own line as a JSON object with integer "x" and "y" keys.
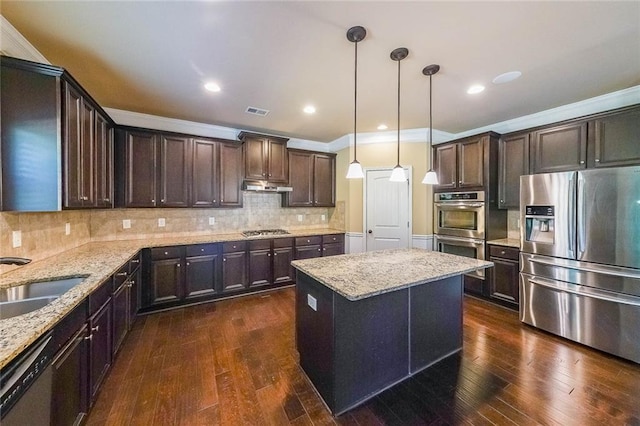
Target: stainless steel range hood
{"x": 264, "y": 186}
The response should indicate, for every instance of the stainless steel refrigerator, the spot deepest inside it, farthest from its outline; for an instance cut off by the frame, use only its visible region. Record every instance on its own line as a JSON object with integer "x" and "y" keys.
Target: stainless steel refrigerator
{"x": 580, "y": 257}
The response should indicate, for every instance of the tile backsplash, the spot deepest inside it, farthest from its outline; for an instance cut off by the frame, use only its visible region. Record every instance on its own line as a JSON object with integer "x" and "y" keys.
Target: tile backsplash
{"x": 513, "y": 224}
{"x": 44, "y": 234}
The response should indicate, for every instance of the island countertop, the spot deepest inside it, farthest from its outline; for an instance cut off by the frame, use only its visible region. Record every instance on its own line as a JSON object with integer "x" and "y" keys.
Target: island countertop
{"x": 361, "y": 275}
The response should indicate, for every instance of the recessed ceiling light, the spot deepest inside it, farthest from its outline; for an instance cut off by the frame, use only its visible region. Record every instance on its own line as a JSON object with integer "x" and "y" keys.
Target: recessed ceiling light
{"x": 309, "y": 109}
{"x": 212, "y": 87}
{"x": 507, "y": 77}
{"x": 476, "y": 88}
{"x": 383, "y": 127}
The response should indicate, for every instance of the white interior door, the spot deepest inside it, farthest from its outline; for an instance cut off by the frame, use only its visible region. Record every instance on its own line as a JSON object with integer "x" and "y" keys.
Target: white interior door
{"x": 387, "y": 211}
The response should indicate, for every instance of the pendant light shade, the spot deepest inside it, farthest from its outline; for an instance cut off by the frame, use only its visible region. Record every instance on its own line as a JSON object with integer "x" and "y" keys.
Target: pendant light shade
{"x": 355, "y": 35}
{"x": 430, "y": 178}
{"x": 398, "y": 175}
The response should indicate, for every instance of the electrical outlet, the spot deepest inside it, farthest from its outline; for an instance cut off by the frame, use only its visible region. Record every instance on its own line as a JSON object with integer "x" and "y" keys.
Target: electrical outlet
{"x": 17, "y": 239}
{"x": 323, "y": 218}
{"x": 67, "y": 228}
{"x": 126, "y": 223}
{"x": 517, "y": 223}
{"x": 212, "y": 220}
{"x": 161, "y": 222}
{"x": 312, "y": 302}
{"x": 300, "y": 217}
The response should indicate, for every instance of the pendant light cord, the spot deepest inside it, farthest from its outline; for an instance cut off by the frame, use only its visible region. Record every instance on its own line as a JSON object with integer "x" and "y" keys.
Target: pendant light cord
{"x": 430, "y": 122}
{"x": 355, "y": 103}
{"x": 398, "y": 114}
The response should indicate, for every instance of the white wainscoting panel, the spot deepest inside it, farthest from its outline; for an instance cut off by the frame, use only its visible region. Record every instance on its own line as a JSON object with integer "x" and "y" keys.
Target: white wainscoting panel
{"x": 354, "y": 242}
{"x": 422, "y": 241}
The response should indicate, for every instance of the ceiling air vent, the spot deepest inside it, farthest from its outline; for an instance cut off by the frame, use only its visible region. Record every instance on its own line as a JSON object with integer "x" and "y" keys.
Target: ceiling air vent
{"x": 257, "y": 111}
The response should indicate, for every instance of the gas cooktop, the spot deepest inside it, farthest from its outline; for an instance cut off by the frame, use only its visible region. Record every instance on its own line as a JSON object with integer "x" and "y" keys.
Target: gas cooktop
{"x": 263, "y": 232}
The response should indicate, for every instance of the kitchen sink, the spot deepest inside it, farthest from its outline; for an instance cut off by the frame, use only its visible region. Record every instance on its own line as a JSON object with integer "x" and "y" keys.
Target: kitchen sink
{"x": 26, "y": 298}
{"x": 19, "y": 307}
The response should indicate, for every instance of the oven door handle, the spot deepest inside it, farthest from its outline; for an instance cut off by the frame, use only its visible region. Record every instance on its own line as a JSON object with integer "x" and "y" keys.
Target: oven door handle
{"x": 590, "y": 292}
{"x": 471, "y": 205}
{"x": 460, "y": 240}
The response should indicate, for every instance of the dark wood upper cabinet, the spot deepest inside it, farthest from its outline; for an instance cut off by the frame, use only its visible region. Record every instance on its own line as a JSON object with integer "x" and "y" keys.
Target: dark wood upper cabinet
{"x": 140, "y": 168}
{"x": 174, "y": 171}
{"x": 614, "y": 140}
{"x": 559, "y": 149}
{"x": 464, "y": 164}
{"x": 313, "y": 178}
{"x": 104, "y": 162}
{"x": 265, "y": 157}
{"x": 205, "y": 183}
{"x": 513, "y": 162}
{"x": 230, "y": 175}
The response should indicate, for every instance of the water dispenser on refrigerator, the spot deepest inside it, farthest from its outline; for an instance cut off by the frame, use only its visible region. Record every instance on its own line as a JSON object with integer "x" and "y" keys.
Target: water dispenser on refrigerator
{"x": 540, "y": 224}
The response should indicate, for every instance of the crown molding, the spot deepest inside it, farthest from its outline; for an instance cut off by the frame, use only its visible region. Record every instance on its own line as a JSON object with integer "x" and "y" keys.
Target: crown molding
{"x": 406, "y": 136}
{"x": 12, "y": 43}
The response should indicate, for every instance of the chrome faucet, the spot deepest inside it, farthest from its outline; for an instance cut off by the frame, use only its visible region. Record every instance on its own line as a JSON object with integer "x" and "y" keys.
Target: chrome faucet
{"x": 14, "y": 261}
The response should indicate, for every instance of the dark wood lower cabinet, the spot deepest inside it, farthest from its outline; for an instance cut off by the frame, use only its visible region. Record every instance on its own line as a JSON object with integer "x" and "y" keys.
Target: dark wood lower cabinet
{"x": 100, "y": 347}
{"x": 503, "y": 277}
{"x": 234, "y": 271}
{"x": 120, "y": 302}
{"x": 69, "y": 403}
{"x": 201, "y": 275}
{"x": 166, "y": 281}
{"x": 283, "y": 272}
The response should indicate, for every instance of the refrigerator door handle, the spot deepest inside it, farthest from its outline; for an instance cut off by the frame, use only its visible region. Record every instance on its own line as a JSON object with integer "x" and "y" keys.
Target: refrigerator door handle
{"x": 589, "y": 292}
{"x": 595, "y": 269}
{"x": 582, "y": 219}
{"x": 571, "y": 219}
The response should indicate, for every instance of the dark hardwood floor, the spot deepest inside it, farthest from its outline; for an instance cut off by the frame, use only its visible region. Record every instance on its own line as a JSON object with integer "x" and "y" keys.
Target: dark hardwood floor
{"x": 234, "y": 363}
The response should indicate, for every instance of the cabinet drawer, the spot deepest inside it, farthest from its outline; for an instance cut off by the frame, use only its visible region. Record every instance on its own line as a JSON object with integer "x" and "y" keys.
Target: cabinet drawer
{"x": 134, "y": 264}
{"x": 333, "y": 238}
{"x": 306, "y": 241}
{"x": 202, "y": 250}
{"x": 232, "y": 246}
{"x": 504, "y": 252}
{"x": 260, "y": 245}
{"x": 120, "y": 276}
{"x": 282, "y": 242}
{"x": 160, "y": 253}
{"x": 70, "y": 324}
{"x": 100, "y": 296}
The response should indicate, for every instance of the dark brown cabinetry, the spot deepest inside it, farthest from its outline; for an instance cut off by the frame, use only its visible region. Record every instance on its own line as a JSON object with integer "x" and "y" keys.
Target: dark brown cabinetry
{"x": 332, "y": 244}
{"x": 283, "y": 272}
{"x": 260, "y": 263}
{"x": 104, "y": 162}
{"x": 166, "y": 278}
{"x": 100, "y": 347}
{"x": 614, "y": 140}
{"x": 174, "y": 171}
{"x": 125, "y": 300}
{"x": 503, "y": 277}
{"x": 230, "y": 175}
{"x": 234, "y": 266}
{"x": 513, "y": 162}
{"x": 464, "y": 164}
{"x": 265, "y": 157}
{"x": 312, "y": 176}
{"x": 308, "y": 247}
{"x": 203, "y": 270}
{"x": 559, "y": 149}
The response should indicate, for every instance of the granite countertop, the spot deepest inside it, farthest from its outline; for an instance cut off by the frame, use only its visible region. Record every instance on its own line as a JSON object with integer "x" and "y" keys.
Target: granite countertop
{"x": 508, "y": 242}
{"x": 362, "y": 275}
{"x": 96, "y": 261}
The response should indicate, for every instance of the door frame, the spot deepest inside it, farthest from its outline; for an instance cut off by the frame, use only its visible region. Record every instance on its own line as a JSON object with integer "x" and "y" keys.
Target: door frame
{"x": 409, "y": 172}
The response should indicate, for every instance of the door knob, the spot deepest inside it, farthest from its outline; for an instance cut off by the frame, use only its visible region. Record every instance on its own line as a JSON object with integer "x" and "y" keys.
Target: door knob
{"x": 370, "y": 231}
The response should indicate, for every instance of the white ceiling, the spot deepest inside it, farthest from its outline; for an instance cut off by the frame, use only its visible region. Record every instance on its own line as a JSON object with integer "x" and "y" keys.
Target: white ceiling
{"x": 153, "y": 57}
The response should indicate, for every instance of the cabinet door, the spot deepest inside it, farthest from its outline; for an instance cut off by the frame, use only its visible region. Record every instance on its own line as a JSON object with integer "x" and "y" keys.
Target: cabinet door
{"x": 69, "y": 400}
{"x": 282, "y": 270}
{"x": 72, "y": 167}
{"x": 277, "y": 161}
{"x": 471, "y": 163}
{"x": 301, "y": 179}
{"x": 140, "y": 172}
{"x": 87, "y": 151}
{"x": 615, "y": 140}
{"x": 324, "y": 180}
{"x": 308, "y": 252}
{"x": 134, "y": 296}
{"x": 559, "y": 149}
{"x": 166, "y": 281}
{"x": 100, "y": 348}
{"x": 234, "y": 271}
{"x": 231, "y": 171}
{"x": 201, "y": 276}
{"x": 446, "y": 166}
{"x": 174, "y": 171}
{"x": 120, "y": 303}
{"x": 205, "y": 181}
{"x": 103, "y": 163}
{"x": 332, "y": 249}
{"x": 513, "y": 162}
{"x": 260, "y": 268}
{"x": 256, "y": 151}
{"x": 504, "y": 280}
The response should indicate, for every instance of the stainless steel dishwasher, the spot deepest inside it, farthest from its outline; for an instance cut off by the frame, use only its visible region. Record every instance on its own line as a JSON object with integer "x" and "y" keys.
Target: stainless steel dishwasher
{"x": 25, "y": 386}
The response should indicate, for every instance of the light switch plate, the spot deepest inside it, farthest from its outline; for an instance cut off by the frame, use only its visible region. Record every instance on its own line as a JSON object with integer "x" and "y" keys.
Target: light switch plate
{"x": 67, "y": 228}
{"x": 323, "y": 217}
{"x": 17, "y": 239}
{"x": 212, "y": 220}
{"x": 161, "y": 222}
{"x": 126, "y": 223}
{"x": 312, "y": 302}
{"x": 300, "y": 218}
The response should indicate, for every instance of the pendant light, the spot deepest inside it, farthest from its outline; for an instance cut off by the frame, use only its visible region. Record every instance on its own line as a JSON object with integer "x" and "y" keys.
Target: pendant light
{"x": 355, "y": 34}
{"x": 430, "y": 178}
{"x": 398, "y": 175}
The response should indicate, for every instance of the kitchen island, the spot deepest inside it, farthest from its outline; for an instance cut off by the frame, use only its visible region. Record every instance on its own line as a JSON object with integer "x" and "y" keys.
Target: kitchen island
{"x": 367, "y": 321}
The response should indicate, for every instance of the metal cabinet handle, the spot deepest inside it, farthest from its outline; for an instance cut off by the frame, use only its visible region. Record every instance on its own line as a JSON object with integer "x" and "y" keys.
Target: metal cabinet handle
{"x": 214, "y": 201}
{"x": 89, "y": 337}
{"x": 96, "y": 328}
{"x": 503, "y": 252}
{"x": 597, "y": 160}
{"x": 263, "y": 174}
{"x": 135, "y": 260}
{"x": 107, "y": 200}
{"x": 581, "y": 161}
{"x": 188, "y": 263}
{"x": 224, "y": 259}
{"x": 202, "y": 250}
{"x": 268, "y": 254}
{"x": 153, "y": 201}
{"x": 221, "y": 200}
{"x": 162, "y": 200}
{"x": 318, "y": 249}
{"x": 275, "y": 254}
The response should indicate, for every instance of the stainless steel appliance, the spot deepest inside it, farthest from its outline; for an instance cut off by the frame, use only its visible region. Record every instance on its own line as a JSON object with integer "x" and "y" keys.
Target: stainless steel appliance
{"x": 264, "y": 186}
{"x": 580, "y": 257}
{"x": 459, "y": 224}
{"x": 25, "y": 386}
